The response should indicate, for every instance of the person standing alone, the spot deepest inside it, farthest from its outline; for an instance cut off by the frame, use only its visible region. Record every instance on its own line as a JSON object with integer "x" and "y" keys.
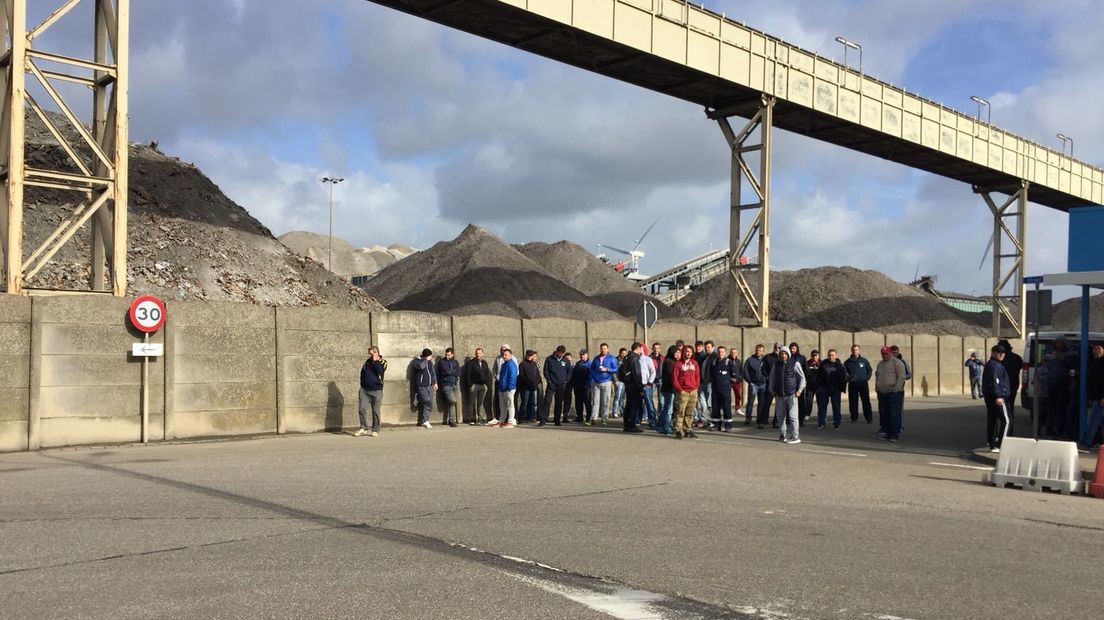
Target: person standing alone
{"x": 371, "y": 391}
{"x": 974, "y": 366}
{"x": 996, "y": 391}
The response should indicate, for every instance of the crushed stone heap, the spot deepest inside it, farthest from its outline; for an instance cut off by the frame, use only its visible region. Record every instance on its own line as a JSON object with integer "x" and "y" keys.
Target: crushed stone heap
{"x": 572, "y": 264}
{"x": 348, "y": 260}
{"x": 187, "y": 240}
{"x": 843, "y": 298}
{"x": 478, "y": 273}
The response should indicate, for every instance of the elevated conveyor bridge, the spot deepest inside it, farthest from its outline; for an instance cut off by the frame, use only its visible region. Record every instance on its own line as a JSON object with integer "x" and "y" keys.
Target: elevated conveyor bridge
{"x": 729, "y": 69}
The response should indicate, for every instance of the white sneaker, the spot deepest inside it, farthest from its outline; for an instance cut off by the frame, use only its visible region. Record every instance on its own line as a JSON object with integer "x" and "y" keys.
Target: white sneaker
{"x": 994, "y": 450}
{"x": 360, "y": 432}
{"x": 791, "y": 441}
{"x": 375, "y": 433}
{"x": 426, "y": 424}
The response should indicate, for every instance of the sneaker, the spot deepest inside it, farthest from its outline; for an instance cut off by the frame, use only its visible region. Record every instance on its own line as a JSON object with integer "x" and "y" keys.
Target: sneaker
{"x": 588, "y": 423}
{"x": 678, "y": 435}
{"x": 782, "y": 438}
{"x": 508, "y": 425}
{"x": 452, "y": 424}
{"x": 493, "y": 424}
{"x": 793, "y": 441}
{"x": 893, "y": 440}
{"x": 820, "y": 427}
{"x": 426, "y": 424}
{"x": 542, "y": 424}
{"x": 692, "y": 435}
{"x": 835, "y": 428}
{"x": 360, "y": 432}
{"x": 375, "y": 433}
{"x": 994, "y": 450}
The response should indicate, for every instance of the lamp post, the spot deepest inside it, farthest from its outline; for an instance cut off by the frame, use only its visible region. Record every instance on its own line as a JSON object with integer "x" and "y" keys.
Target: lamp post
{"x": 988, "y": 108}
{"x": 331, "y": 181}
{"x": 851, "y": 45}
{"x": 1064, "y": 138}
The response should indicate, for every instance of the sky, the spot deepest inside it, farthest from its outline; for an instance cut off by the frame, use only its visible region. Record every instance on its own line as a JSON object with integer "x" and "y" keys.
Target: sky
{"x": 434, "y": 128}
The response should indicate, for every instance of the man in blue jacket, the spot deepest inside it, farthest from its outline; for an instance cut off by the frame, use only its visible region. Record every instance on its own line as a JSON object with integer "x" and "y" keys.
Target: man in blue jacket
{"x": 448, "y": 376}
{"x": 756, "y": 376}
{"x": 556, "y": 374}
{"x": 423, "y": 383}
{"x": 859, "y": 372}
{"x": 974, "y": 366}
{"x": 506, "y": 386}
{"x": 371, "y": 391}
{"x": 995, "y": 389}
{"x": 602, "y": 369}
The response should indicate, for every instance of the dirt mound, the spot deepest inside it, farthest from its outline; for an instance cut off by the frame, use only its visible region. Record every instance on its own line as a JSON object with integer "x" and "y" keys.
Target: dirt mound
{"x": 843, "y": 298}
{"x": 1067, "y": 314}
{"x": 348, "y": 260}
{"x": 571, "y": 263}
{"x": 186, "y": 239}
{"x": 478, "y": 273}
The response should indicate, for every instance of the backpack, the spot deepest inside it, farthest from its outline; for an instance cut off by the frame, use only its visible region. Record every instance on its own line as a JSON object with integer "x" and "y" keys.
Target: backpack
{"x": 624, "y": 371}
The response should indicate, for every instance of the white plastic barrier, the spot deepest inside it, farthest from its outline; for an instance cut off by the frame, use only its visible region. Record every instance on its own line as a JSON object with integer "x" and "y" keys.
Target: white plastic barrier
{"x": 1037, "y": 465}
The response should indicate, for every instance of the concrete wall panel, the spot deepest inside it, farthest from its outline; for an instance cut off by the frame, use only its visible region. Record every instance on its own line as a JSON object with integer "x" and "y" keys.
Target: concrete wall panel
{"x": 13, "y": 434}
{"x": 972, "y": 344}
{"x": 952, "y": 374}
{"x": 489, "y": 332}
{"x": 838, "y": 340}
{"x": 758, "y": 335}
{"x": 224, "y": 423}
{"x": 722, "y": 335}
{"x": 15, "y": 371}
{"x": 401, "y": 336}
{"x": 544, "y": 335}
{"x": 616, "y": 334}
{"x": 871, "y": 344}
{"x": 806, "y": 339}
{"x": 668, "y": 333}
{"x": 925, "y": 365}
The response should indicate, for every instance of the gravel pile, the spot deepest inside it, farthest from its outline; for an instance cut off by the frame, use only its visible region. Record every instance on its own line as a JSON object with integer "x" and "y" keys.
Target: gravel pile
{"x": 571, "y": 263}
{"x": 1067, "y": 314}
{"x": 186, "y": 240}
{"x": 348, "y": 260}
{"x": 478, "y": 273}
{"x": 843, "y": 298}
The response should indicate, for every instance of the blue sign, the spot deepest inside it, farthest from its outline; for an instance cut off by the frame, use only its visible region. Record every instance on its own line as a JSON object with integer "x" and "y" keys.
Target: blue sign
{"x": 1033, "y": 280}
{"x": 1086, "y": 229}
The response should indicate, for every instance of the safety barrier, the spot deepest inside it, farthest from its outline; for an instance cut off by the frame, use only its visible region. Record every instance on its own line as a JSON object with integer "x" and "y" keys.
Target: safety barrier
{"x": 1037, "y": 465}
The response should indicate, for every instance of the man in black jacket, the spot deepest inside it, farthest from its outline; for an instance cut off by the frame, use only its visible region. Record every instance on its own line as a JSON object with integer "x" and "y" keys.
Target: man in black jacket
{"x": 994, "y": 387}
{"x": 423, "y": 383}
{"x": 580, "y": 387}
{"x": 1013, "y": 365}
{"x": 629, "y": 374}
{"x": 859, "y": 373}
{"x": 756, "y": 376}
{"x": 528, "y": 386}
{"x": 556, "y": 375}
{"x": 476, "y": 379}
{"x": 1094, "y": 389}
{"x": 720, "y": 375}
{"x": 831, "y": 382}
{"x": 448, "y": 375}
{"x": 371, "y": 392}
{"x": 770, "y": 360}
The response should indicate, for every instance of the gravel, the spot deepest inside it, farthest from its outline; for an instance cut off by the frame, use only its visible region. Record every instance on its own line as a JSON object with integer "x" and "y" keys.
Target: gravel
{"x": 186, "y": 239}
{"x": 348, "y": 260}
{"x": 843, "y": 298}
{"x": 571, "y": 263}
{"x": 478, "y": 273}
{"x": 1067, "y": 314}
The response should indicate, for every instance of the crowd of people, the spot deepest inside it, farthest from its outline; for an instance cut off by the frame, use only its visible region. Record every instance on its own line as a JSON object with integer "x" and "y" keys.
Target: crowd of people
{"x": 677, "y": 391}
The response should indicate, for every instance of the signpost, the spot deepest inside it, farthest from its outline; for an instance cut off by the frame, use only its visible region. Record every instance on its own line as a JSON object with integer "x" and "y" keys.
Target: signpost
{"x": 1032, "y": 355}
{"x": 646, "y": 316}
{"x": 147, "y": 315}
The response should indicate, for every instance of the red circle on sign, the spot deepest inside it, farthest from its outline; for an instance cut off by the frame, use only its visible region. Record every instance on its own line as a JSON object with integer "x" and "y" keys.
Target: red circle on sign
{"x": 147, "y": 313}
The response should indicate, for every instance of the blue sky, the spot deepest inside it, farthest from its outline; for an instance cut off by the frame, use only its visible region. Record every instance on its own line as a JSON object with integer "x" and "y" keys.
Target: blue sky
{"x": 435, "y": 128}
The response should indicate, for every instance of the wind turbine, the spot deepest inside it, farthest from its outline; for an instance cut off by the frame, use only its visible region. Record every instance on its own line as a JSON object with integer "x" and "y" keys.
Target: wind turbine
{"x": 634, "y": 255}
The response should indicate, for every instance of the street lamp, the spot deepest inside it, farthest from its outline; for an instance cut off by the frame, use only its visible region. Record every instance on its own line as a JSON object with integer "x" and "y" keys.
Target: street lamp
{"x": 851, "y": 45}
{"x": 1064, "y": 138}
{"x": 988, "y": 108}
{"x": 331, "y": 181}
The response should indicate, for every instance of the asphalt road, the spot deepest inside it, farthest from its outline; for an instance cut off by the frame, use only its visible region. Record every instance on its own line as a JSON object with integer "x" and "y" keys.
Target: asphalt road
{"x": 565, "y": 522}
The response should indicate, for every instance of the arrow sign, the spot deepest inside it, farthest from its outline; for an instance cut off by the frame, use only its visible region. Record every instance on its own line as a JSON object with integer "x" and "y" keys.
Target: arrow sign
{"x": 147, "y": 349}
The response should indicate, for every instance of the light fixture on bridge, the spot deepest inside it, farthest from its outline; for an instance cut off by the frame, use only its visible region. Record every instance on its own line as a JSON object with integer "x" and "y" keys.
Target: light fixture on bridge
{"x": 851, "y": 45}
{"x": 331, "y": 181}
{"x": 1064, "y": 138}
{"x": 988, "y": 108}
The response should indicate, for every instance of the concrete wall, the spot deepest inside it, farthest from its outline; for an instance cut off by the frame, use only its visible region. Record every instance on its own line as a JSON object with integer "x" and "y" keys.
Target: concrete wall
{"x": 840, "y": 341}
{"x": 766, "y": 337}
{"x": 544, "y": 335}
{"x": 722, "y": 336}
{"x": 401, "y": 336}
{"x": 952, "y": 373}
{"x": 222, "y": 369}
{"x": 668, "y": 333}
{"x": 806, "y": 339}
{"x": 925, "y": 365}
{"x": 616, "y": 334}
{"x": 319, "y": 352}
{"x": 15, "y": 371}
{"x": 871, "y": 344}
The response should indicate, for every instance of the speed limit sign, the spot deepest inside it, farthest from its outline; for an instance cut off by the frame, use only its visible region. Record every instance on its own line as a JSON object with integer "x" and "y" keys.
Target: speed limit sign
{"x": 147, "y": 313}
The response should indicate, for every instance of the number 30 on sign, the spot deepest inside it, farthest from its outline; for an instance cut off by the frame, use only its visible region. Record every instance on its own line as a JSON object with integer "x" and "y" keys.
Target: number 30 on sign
{"x": 147, "y": 313}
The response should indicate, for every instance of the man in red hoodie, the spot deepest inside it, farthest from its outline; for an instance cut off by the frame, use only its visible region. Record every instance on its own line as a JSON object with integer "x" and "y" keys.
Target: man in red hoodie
{"x": 686, "y": 379}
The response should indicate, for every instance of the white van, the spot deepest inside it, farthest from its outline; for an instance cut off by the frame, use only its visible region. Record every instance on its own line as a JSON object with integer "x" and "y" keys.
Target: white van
{"x": 1036, "y": 348}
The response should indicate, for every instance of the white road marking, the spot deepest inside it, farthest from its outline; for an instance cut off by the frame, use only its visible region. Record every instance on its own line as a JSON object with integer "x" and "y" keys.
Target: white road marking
{"x": 836, "y": 453}
{"x": 958, "y": 466}
{"x": 622, "y": 603}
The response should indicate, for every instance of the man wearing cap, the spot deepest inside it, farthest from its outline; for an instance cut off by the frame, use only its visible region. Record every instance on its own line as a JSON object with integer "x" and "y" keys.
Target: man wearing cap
{"x": 506, "y": 385}
{"x": 889, "y": 383}
{"x": 448, "y": 376}
{"x": 786, "y": 383}
{"x": 423, "y": 383}
{"x": 975, "y": 367}
{"x": 602, "y": 369}
{"x": 556, "y": 374}
{"x": 995, "y": 390}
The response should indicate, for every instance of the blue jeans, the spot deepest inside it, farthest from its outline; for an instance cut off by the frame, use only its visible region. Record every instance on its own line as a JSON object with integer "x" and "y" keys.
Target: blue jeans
{"x": 666, "y": 407}
{"x": 649, "y": 405}
{"x": 705, "y": 401}
{"x": 890, "y": 405}
{"x": 823, "y": 396}
{"x": 753, "y": 392}
{"x": 528, "y": 405}
{"x": 618, "y": 406}
{"x": 1095, "y": 420}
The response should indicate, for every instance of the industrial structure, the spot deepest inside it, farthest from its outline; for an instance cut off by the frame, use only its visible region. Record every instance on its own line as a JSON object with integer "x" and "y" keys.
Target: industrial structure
{"x": 729, "y": 69}
{"x": 96, "y": 170}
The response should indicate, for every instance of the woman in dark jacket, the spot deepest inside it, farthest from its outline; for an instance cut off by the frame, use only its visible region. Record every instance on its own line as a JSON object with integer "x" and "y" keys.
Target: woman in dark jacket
{"x": 667, "y": 391}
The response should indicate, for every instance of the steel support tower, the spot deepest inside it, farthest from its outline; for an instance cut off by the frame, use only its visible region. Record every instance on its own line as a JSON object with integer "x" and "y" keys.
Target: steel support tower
{"x": 1009, "y": 261}
{"x": 96, "y": 170}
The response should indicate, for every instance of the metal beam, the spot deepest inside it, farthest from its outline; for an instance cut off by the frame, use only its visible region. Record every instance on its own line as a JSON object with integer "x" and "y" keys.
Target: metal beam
{"x": 754, "y": 137}
{"x": 1009, "y": 265}
{"x": 103, "y": 182}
